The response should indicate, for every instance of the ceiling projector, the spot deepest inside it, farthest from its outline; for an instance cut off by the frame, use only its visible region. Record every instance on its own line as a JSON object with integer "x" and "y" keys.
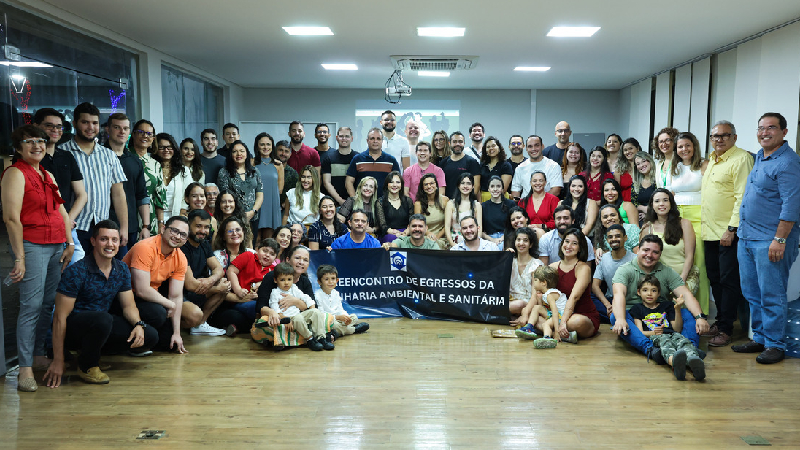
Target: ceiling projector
{"x": 396, "y": 87}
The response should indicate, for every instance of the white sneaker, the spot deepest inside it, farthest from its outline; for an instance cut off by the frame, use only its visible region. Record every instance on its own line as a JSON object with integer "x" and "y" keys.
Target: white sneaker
{"x": 204, "y": 329}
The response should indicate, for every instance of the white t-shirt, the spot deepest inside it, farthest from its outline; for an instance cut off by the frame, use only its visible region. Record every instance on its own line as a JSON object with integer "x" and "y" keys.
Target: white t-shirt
{"x": 561, "y": 303}
{"x": 300, "y": 215}
{"x": 276, "y": 296}
{"x": 522, "y": 176}
{"x": 331, "y": 304}
{"x": 397, "y": 146}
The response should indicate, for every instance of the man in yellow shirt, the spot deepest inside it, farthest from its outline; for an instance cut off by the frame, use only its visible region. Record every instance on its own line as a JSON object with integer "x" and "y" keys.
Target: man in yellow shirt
{"x": 722, "y": 190}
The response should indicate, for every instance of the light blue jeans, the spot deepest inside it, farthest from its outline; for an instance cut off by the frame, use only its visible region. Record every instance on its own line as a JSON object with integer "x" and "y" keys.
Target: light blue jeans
{"x": 37, "y": 295}
{"x": 764, "y": 285}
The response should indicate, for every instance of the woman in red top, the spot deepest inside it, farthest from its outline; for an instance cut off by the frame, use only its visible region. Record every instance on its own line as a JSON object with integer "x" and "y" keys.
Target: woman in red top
{"x": 539, "y": 204}
{"x": 597, "y": 172}
{"x": 574, "y": 277}
{"x": 37, "y": 226}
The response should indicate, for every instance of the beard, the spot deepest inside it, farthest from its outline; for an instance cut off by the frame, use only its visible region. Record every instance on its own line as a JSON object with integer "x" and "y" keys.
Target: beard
{"x": 389, "y": 128}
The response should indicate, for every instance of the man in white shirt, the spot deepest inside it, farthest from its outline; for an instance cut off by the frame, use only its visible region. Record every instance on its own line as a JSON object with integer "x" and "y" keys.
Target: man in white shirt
{"x": 394, "y": 144}
{"x": 521, "y": 183}
{"x": 472, "y": 242}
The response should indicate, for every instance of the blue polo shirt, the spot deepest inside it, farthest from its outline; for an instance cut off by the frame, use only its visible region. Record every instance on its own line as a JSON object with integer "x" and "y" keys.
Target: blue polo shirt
{"x": 345, "y": 242}
{"x": 772, "y": 194}
{"x": 90, "y": 288}
{"x": 364, "y": 165}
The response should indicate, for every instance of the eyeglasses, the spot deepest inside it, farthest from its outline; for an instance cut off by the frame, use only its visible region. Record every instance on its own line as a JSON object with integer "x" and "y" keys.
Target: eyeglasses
{"x": 166, "y": 147}
{"x": 34, "y": 141}
{"x": 144, "y": 133}
{"x": 770, "y": 128}
{"x": 178, "y": 233}
{"x": 516, "y": 144}
{"x": 234, "y": 230}
{"x": 665, "y": 141}
{"x": 52, "y": 126}
{"x": 562, "y": 131}
{"x": 720, "y": 137}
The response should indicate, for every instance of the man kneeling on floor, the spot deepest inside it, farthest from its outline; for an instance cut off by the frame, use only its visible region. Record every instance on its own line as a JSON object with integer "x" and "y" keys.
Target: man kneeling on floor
{"x": 158, "y": 269}
{"x": 82, "y": 319}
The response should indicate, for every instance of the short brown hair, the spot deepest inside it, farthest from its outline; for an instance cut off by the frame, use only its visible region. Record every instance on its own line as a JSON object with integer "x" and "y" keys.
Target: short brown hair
{"x": 547, "y": 274}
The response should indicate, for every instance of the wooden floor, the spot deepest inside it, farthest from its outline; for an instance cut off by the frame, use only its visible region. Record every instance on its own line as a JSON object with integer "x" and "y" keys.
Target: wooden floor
{"x": 410, "y": 384}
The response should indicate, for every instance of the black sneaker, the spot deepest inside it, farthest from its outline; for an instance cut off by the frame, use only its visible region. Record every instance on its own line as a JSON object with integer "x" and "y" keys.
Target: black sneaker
{"x": 327, "y": 341}
{"x": 698, "y": 367}
{"x": 750, "y": 347}
{"x": 654, "y": 354}
{"x": 314, "y": 345}
{"x": 361, "y": 327}
{"x": 679, "y": 365}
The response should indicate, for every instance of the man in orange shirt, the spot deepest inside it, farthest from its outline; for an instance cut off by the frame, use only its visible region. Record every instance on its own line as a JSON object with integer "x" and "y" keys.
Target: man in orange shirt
{"x": 158, "y": 269}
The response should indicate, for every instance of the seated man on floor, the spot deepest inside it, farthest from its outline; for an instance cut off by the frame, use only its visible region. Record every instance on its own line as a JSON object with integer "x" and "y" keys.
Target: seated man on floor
{"x": 417, "y": 236}
{"x": 83, "y": 319}
{"x": 625, "y": 285}
{"x": 205, "y": 284}
{"x": 473, "y": 242}
{"x": 357, "y": 237}
{"x": 158, "y": 269}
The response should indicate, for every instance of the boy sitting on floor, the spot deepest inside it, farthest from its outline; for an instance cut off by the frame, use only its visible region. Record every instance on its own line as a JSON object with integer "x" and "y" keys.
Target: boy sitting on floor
{"x": 329, "y": 301}
{"x": 311, "y": 323}
{"x": 664, "y": 323}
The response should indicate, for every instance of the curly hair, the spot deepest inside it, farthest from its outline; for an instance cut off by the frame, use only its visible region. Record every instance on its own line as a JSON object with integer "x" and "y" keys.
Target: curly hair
{"x": 669, "y": 131}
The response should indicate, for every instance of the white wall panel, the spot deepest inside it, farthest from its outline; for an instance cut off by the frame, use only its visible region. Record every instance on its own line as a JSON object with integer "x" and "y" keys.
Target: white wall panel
{"x": 745, "y": 95}
{"x": 663, "y": 108}
{"x": 640, "y": 111}
{"x": 779, "y": 87}
{"x": 723, "y": 85}
{"x": 698, "y": 114}
{"x": 681, "y": 97}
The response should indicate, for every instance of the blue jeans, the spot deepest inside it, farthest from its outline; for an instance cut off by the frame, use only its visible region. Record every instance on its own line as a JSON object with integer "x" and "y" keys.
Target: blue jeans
{"x": 643, "y": 343}
{"x": 37, "y": 295}
{"x": 764, "y": 285}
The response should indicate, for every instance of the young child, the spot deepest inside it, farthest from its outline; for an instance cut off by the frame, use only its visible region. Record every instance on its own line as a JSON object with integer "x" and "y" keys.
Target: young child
{"x": 329, "y": 301}
{"x": 248, "y": 269}
{"x": 662, "y": 322}
{"x": 311, "y": 323}
{"x": 545, "y": 315}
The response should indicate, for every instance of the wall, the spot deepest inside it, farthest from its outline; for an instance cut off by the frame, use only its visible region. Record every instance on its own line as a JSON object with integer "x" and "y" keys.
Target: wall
{"x": 503, "y": 112}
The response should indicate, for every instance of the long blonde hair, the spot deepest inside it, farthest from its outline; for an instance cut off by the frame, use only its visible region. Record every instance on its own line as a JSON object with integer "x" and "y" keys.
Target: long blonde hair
{"x": 638, "y": 176}
{"x": 358, "y": 202}
{"x": 298, "y": 190}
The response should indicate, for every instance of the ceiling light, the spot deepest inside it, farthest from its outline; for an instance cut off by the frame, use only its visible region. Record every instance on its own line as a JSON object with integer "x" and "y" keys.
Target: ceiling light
{"x": 340, "y": 66}
{"x": 433, "y": 73}
{"x": 440, "y": 31}
{"x": 308, "y": 31}
{"x": 572, "y": 31}
{"x": 531, "y": 69}
{"x": 24, "y": 64}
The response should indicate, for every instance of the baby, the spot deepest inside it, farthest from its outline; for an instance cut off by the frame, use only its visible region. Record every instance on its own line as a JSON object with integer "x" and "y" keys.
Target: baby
{"x": 311, "y": 323}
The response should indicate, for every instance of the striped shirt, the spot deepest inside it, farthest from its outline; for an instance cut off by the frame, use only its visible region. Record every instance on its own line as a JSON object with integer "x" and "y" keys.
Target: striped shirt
{"x": 100, "y": 171}
{"x": 364, "y": 165}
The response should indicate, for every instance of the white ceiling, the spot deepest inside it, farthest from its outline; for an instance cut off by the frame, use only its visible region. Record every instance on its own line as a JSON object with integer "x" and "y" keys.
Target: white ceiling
{"x": 242, "y": 40}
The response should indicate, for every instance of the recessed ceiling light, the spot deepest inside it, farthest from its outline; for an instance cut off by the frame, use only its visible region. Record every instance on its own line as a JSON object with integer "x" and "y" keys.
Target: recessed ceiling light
{"x": 572, "y": 31}
{"x": 440, "y": 31}
{"x": 531, "y": 69}
{"x": 308, "y": 31}
{"x": 433, "y": 73}
{"x": 340, "y": 66}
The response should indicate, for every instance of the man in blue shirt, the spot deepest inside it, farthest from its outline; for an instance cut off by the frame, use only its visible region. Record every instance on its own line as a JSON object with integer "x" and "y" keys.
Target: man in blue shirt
{"x": 82, "y": 319}
{"x": 768, "y": 238}
{"x": 357, "y": 237}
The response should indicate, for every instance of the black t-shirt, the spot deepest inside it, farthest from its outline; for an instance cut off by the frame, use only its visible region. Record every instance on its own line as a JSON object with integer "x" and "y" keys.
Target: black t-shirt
{"x": 336, "y": 164}
{"x": 65, "y": 170}
{"x": 453, "y": 169}
{"x": 515, "y": 165}
{"x": 135, "y": 190}
{"x": 662, "y": 315}
{"x": 494, "y": 219}
{"x": 499, "y": 170}
{"x": 554, "y": 153}
{"x": 212, "y": 166}
{"x": 197, "y": 257}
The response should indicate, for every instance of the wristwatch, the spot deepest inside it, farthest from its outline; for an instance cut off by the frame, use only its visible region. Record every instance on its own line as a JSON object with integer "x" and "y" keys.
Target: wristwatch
{"x": 701, "y": 316}
{"x": 733, "y": 229}
{"x": 141, "y": 323}
{"x": 779, "y": 240}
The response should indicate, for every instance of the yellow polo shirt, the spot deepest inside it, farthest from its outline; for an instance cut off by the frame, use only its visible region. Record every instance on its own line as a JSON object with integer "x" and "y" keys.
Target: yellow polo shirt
{"x": 722, "y": 190}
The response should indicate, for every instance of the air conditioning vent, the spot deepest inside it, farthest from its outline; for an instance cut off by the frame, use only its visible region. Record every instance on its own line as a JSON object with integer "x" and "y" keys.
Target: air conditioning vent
{"x": 434, "y": 62}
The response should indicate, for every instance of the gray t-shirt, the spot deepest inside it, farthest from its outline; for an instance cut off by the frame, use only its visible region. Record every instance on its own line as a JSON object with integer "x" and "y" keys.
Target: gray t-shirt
{"x": 608, "y": 267}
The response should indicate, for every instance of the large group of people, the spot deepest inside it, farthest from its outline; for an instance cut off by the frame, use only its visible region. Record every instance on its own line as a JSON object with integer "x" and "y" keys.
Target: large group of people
{"x": 217, "y": 240}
